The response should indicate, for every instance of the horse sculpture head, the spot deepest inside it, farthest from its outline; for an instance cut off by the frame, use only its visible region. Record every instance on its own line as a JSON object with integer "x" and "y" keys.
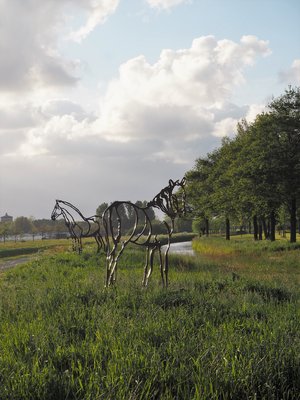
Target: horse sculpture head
{"x": 57, "y": 212}
{"x": 171, "y": 200}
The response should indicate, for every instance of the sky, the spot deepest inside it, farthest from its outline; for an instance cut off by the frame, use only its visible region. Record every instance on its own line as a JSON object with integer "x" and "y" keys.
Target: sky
{"x": 104, "y": 100}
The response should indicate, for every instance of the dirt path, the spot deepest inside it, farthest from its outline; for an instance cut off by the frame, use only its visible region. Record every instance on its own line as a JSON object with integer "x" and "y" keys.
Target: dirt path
{"x": 12, "y": 263}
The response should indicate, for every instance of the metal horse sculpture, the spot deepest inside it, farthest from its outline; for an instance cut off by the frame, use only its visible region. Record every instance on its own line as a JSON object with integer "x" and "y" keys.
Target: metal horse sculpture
{"x": 141, "y": 234}
{"x": 87, "y": 227}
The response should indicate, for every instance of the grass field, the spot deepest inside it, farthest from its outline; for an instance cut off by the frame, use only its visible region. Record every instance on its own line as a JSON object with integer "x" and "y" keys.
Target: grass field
{"x": 226, "y": 328}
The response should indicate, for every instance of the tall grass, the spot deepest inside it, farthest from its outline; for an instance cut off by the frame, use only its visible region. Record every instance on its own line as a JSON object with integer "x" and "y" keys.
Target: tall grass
{"x": 277, "y": 262}
{"x": 214, "y": 334}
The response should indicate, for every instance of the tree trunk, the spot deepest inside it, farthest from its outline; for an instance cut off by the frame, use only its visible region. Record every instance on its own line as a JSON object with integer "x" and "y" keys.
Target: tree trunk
{"x": 207, "y": 226}
{"x": 293, "y": 221}
{"x": 255, "y": 227}
{"x": 249, "y": 227}
{"x": 260, "y": 230}
{"x": 272, "y": 226}
{"x": 265, "y": 228}
{"x": 227, "y": 229}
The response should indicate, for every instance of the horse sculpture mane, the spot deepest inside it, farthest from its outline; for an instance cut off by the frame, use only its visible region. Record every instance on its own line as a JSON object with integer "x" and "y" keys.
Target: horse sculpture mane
{"x": 166, "y": 201}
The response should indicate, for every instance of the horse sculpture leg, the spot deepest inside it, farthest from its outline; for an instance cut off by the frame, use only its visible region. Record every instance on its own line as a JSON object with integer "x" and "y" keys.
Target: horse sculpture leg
{"x": 79, "y": 245}
{"x": 144, "y": 282}
{"x": 114, "y": 264}
{"x": 166, "y": 267}
{"x": 112, "y": 273}
{"x": 110, "y": 258}
{"x": 107, "y": 271}
{"x": 161, "y": 268}
{"x": 151, "y": 258}
{"x": 166, "y": 258}
{"x": 99, "y": 242}
{"x": 111, "y": 264}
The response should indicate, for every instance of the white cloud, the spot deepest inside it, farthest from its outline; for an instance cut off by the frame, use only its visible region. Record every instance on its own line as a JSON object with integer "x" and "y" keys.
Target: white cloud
{"x": 226, "y": 127}
{"x": 63, "y": 106}
{"x": 178, "y": 100}
{"x": 16, "y": 117}
{"x": 165, "y": 4}
{"x": 245, "y": 53}
{"x": 292, "y": 74}
{"x": 254, "y": 110}
{"x": 177, "y": 96}
{"x": 98, "y": 12}
{"x": 29, "y": 34}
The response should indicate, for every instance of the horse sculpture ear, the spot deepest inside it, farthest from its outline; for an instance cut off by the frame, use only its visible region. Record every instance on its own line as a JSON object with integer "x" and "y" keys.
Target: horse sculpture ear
{"x": 183, "y": 181}
{"x": 171, "y": 183}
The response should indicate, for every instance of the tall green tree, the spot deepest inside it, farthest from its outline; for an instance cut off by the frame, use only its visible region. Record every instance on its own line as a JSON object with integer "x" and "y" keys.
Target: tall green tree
{"x": 285, "y": 110}
{"x": 5, "y": 230}
{"x": 101, "y": 208}
{"x": 199, "y": 189}
{"x": 23, "y": 225}
{"x": 224, "y": 197}
{"x": 252, "y": 175}
{"x": 149, "y": 211}
{"x": 259, "y": 171}
{"x": 211, "y": 185}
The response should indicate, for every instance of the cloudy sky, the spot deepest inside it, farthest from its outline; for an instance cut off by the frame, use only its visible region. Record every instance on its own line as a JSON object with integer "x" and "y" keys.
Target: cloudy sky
{"x": 104, "y": 100}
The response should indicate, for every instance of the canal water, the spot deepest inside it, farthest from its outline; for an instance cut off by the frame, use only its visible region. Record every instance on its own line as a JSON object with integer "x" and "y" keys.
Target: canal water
{"x": 184, "y": 248}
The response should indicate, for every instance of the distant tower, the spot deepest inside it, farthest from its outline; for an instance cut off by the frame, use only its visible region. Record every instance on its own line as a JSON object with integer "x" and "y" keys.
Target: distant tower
{"x": 6, "y": 218}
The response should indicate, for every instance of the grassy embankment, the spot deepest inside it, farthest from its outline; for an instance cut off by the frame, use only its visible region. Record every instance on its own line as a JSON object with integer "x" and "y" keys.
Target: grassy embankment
{"x": 227, "y": 327}
{"x": 12, "y": 250}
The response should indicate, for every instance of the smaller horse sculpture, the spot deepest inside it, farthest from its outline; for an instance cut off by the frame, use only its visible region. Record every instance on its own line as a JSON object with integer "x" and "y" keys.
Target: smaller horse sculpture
{"x": 141, "y": 234}
{"x": 82, "y": 227}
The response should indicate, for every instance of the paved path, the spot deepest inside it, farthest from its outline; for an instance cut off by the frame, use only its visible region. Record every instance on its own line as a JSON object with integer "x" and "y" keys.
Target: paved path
{"x": 12, "y": 263}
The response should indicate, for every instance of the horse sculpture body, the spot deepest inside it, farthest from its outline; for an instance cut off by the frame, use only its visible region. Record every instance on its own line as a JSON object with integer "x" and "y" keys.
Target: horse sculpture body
{"x": 81, "y": 227}
{"x": 141, "y": 233}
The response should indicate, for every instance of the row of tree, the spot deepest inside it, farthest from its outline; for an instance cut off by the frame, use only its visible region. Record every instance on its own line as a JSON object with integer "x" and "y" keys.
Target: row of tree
{"x": 28, "y": 226}
{"x": 46, "y": 228}
{"x": 254, "y": 177}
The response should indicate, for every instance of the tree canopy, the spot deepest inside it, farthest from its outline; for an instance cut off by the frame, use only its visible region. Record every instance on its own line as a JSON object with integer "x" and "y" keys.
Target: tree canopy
{"x": 252, "y": 176}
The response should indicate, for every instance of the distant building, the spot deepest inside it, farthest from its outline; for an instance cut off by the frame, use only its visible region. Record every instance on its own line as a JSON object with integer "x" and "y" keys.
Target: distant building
{"x": 6, "y": 218}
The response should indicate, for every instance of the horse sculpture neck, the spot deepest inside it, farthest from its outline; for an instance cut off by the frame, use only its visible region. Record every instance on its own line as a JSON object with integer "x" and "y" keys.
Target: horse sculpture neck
{"x": 167, "y": 201}
{"x": 64, "y": 210}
